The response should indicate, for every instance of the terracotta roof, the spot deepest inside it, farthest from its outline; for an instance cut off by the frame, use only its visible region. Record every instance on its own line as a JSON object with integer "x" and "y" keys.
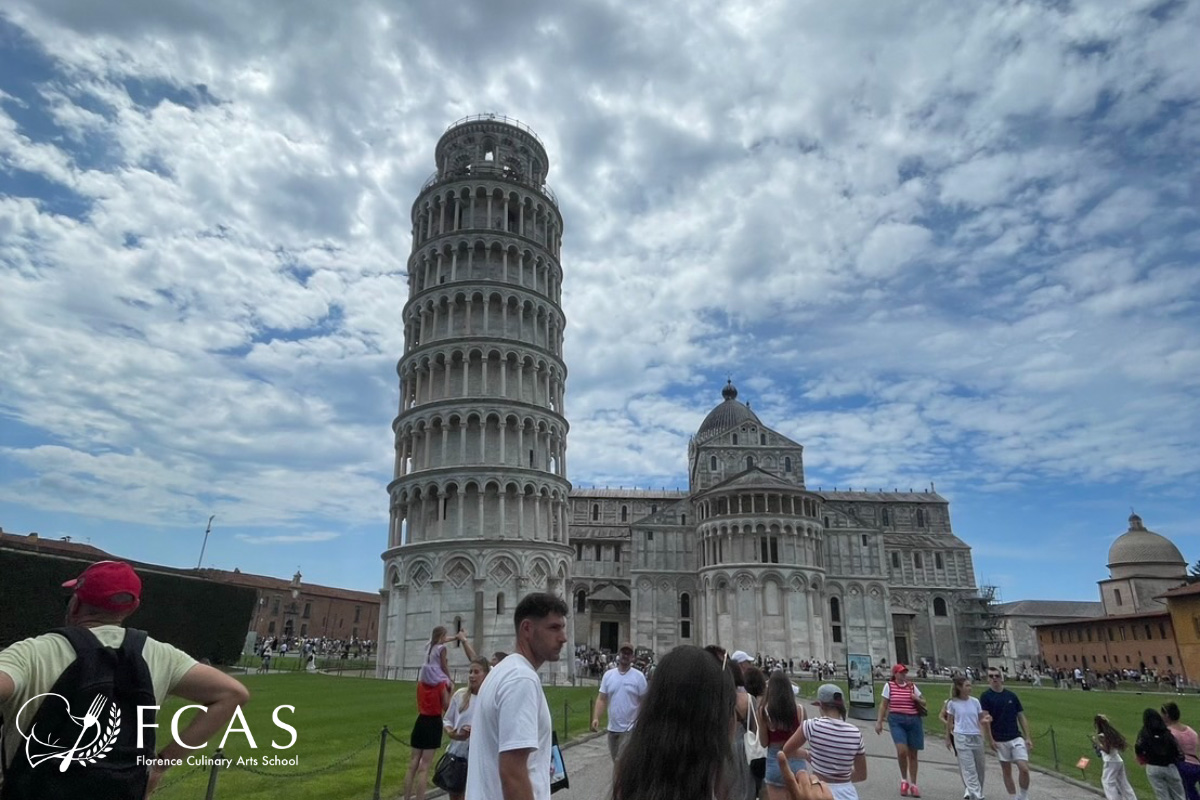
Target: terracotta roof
{"x": 1114, "y": 618}
{"x": 267, "y": 583}
{"x": 1182, "y": 591}
{"x": 35, "y": 542}
{"x": 86, "y": 552}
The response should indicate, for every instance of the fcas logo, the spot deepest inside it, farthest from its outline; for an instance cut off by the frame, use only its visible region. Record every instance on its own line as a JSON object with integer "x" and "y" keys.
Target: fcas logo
{"x": 98, "y": 730}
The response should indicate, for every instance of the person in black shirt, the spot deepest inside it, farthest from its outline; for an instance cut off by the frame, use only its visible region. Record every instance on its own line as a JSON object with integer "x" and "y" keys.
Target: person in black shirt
{"x": 1157, "y": 749}
{"x": 1010, "y": 733}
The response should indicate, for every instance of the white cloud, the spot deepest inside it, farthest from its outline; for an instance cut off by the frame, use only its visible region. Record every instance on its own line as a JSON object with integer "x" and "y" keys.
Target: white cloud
{"x": 931, "y": 241}
{"x": 298, "y": 538}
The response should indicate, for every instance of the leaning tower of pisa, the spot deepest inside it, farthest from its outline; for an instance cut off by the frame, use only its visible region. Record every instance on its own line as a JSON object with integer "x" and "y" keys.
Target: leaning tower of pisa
{"x": 479, "y": 498}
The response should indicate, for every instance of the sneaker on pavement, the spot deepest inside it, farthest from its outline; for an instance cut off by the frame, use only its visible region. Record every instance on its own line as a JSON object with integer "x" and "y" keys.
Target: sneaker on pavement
{"x": 913, "y": 791}
{"x": 904, "y": 788}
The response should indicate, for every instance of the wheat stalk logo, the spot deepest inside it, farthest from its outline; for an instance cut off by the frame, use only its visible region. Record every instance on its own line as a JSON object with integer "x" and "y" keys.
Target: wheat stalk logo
{"x": 104, "y": 743}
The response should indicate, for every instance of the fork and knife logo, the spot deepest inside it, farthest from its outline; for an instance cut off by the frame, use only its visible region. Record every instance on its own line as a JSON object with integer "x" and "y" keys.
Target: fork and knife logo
{"x": 39, "y": 750}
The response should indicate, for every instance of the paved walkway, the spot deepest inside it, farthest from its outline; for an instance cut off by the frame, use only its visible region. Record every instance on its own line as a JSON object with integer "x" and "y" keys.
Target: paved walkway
{"x": 590, "y": 771}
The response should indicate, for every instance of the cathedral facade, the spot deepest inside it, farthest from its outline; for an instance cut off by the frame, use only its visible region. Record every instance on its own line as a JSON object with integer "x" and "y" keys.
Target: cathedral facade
{"x": 751, "y": 558}
{"x": 481, "y": 511}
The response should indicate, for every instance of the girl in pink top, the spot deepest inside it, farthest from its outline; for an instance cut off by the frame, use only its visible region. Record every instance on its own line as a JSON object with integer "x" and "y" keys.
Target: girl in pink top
{"x": 436, "y": 670}
{"x": 1189, "y": 768}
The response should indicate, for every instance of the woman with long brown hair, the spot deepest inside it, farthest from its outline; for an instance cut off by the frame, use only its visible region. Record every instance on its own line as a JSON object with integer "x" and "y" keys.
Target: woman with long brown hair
{"x": 1109, "y": 741}
{"x": 679, "y": 748}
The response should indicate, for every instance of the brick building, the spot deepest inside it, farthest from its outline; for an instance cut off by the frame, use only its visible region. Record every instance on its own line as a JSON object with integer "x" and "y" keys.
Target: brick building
{"x": 312, "y": 611}
{"x": 1136, "y": 630}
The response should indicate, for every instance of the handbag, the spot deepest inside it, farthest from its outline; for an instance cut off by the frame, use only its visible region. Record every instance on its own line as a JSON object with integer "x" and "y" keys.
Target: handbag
{"x": 451, "y": 773}
{"x": 922, "y": 706}
{"x": 754, "y": 750}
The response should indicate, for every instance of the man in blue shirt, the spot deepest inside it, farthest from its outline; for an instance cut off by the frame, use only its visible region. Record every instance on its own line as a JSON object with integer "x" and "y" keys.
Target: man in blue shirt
{"x": 1008, "y": 733}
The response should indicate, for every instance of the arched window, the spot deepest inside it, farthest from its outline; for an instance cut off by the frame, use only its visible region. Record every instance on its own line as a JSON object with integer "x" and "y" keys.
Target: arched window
{"x": 624, "y": 513}
{"x": 787, "y": 464}
{"x": 580, "y": 601}
{"x": 735, "y": 438}
{"x": 595, "y": 511}
{"x": 886, "y": 517}
{"x": 712, "y": 462}
{"x": 895, "y": 560}
{"x": 722, "y": 600}
{"x": 685, "y": 606}
{"x": 762, "y": 438}
{"x": 499, "y": 603}
{"x": 920, "y": 518}
{"x": 835, "y": 610}
{"x": 749, "y": 462}
{"x": 683, "y": 519}
{"x": 939, "y": 606}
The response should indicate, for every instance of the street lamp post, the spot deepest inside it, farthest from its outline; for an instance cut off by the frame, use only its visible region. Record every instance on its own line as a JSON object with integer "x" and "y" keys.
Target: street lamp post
{"x": 207, "y": 530}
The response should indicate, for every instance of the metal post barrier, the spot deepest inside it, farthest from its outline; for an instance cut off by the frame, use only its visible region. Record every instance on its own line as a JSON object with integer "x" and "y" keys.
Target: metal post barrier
{"x": 383, "y": 736}
{"x": 211, "y": 791}
{"x": 1054, "y": 747}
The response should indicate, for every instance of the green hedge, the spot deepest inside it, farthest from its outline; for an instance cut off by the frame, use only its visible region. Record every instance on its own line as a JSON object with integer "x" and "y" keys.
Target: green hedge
{"x": 205, "y": 618}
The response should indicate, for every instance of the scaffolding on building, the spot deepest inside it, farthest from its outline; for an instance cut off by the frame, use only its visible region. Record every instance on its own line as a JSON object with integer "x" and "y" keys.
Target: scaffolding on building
{"x": 983, "y": 634}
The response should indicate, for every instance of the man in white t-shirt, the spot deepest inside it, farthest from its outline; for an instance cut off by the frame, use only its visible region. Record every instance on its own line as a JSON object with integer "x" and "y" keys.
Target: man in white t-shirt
{"x": 621, "y": 693}
{"x": 510, "y": 756}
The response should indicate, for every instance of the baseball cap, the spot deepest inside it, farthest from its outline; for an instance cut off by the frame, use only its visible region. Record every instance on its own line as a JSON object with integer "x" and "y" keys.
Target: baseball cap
{"x": 829, "y": 694}
{"x": 896, "y": 670}
{"x": 111, "y": 585}
{"x": 626, "y": 646}
{"x": 740, "y": 656}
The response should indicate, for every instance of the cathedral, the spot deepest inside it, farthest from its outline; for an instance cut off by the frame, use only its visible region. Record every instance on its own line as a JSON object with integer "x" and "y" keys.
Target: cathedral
{"x": 481, "y": 510}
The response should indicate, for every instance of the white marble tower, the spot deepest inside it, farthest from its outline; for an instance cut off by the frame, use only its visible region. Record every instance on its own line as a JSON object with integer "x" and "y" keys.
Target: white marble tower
{"x": 480, "y": 495}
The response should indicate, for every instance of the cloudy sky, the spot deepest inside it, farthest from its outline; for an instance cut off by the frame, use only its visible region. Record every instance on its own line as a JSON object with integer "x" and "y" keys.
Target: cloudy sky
{"x": 931, "y": 241}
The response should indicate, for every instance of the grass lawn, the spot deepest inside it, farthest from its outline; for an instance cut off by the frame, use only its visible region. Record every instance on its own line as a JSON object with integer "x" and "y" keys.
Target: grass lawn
{"x": 1069, "y": 713}
{"x": 334, "y": 718}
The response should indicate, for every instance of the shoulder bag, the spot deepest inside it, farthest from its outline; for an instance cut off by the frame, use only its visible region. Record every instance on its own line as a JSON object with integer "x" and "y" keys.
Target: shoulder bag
{"x": 754, "y": 750}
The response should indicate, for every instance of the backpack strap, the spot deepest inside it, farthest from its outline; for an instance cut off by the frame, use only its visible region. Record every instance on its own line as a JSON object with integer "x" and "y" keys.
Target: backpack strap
{"x": 80, "y": 638}
{"x": 135, "y": 640}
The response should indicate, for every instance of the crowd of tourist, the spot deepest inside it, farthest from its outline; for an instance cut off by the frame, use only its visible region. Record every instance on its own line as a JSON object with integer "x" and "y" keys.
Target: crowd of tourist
{"x": 309, "y": 649}
{"x": 699, "y": 723}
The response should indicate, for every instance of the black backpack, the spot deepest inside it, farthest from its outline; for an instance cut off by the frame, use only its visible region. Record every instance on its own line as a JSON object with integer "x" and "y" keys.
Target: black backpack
{"x": 106, "y": 685}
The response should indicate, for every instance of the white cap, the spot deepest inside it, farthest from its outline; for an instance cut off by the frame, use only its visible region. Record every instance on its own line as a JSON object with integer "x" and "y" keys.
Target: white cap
{"x": 740, "y": 656}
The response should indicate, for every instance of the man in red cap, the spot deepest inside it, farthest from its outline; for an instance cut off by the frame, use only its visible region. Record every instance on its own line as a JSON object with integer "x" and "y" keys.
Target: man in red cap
{"x": 130, "y": 667}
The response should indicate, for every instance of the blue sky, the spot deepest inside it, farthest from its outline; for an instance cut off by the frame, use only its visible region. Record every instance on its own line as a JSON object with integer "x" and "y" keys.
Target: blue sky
{"x": 939, "y": 241}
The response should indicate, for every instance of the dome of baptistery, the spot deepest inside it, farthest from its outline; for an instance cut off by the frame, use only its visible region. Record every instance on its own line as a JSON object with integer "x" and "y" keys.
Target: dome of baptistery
{"x": 728, "y": 414}
{"x": 1139, "y": 546}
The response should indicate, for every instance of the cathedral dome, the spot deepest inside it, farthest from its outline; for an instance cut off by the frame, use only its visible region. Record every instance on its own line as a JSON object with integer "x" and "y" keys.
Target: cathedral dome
{"x": 1141, "y": 547}
{"x": 728, "y": 414}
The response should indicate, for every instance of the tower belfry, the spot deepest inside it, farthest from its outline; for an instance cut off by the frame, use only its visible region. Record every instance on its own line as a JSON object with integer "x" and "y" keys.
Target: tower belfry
{"x": 479, "y": 499}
